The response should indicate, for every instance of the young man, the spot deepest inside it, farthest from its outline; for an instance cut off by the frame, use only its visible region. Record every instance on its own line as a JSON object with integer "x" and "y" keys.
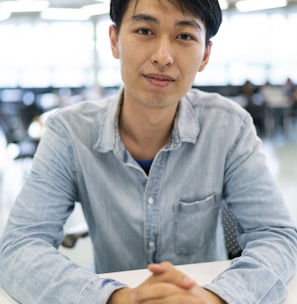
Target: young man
{"x": 152, "y": 168}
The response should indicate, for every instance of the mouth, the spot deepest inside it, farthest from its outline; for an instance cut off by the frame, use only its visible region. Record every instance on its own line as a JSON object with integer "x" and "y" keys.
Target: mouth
{"x": 159, "y": 80}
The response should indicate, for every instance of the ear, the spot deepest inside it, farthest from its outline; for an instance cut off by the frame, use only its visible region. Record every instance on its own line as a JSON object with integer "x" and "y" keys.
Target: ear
{"x": 113, "y": 37}
{"x": 207, "y": 52}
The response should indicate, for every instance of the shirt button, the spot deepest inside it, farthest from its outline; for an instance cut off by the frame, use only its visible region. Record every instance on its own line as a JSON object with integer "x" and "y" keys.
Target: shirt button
{"x": 151, "y": 244}
{"x": 150, "y": 200}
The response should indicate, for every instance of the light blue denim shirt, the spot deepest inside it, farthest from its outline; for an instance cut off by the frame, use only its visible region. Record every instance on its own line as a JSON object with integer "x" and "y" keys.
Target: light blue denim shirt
{"x": 173, "y": 214}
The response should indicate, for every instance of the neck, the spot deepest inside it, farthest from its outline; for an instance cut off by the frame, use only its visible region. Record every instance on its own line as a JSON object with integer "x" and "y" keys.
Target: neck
{"x": 145, "y": 131}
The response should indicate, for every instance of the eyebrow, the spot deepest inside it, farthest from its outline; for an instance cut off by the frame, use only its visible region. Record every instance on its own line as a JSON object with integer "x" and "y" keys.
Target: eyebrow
{"x": 148, "y": 18}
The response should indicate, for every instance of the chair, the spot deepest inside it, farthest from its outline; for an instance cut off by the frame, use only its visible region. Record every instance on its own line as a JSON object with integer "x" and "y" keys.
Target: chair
{"x": 230, "y": 233}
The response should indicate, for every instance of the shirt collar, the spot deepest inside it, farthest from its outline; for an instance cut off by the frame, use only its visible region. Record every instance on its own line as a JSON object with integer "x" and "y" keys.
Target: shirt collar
{"x": 109, "y": 124}
{"x": 185, "y": 127}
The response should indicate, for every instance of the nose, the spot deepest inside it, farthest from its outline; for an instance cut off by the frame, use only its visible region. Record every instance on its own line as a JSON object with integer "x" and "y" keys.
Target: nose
{"x": 162, "y": 54}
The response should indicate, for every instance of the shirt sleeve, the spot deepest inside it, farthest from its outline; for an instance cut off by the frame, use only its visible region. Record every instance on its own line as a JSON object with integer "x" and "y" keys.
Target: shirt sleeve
{"x": 266, "y": 232}
{"x": 32, "y": 270}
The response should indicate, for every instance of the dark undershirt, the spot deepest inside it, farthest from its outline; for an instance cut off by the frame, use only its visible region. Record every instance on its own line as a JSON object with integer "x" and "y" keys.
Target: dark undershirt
{"x": 145, "y": 164}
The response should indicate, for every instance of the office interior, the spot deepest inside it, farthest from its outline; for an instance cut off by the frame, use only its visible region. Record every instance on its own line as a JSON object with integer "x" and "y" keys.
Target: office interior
{"x": 49, "y": 61}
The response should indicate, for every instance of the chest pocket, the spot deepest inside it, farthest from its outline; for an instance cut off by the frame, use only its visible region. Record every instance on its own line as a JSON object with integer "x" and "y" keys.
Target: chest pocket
{"x": 195, "y": 224}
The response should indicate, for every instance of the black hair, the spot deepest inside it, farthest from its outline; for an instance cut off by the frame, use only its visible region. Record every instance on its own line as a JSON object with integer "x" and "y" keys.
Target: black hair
{"x": 208, "y": 11}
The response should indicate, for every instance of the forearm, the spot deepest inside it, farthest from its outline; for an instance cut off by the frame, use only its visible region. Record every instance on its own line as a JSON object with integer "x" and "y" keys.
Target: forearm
{"x": 251, "y": 280}
{"x": 33, "y": 271}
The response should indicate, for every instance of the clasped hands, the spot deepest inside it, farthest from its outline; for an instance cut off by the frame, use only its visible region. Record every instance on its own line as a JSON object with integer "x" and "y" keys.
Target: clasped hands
{"x": 166, "y": 285}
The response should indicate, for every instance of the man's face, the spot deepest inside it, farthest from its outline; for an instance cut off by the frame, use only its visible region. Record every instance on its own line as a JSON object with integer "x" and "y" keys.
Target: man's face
{"x": 160, "y": 49}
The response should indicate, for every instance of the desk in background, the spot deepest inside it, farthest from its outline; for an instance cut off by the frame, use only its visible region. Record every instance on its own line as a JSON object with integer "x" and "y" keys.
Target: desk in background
{"x": 202, "y": 272}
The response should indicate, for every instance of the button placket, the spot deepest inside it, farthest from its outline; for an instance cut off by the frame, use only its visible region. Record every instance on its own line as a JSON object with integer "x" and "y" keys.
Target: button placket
{"x": 151, "y": 200}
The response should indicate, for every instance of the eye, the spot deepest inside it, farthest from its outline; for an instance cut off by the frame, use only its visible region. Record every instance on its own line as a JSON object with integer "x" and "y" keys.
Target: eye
{"x": 144, "y": 31}
{"x": 185, "y": 37}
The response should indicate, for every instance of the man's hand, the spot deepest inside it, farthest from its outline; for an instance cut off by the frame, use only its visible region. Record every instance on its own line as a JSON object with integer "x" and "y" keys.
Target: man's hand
{"x": 167, "y": 285}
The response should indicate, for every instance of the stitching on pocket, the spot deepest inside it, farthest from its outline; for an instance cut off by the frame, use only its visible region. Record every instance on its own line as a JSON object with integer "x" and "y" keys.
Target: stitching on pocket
{"x": 193, "y": 223}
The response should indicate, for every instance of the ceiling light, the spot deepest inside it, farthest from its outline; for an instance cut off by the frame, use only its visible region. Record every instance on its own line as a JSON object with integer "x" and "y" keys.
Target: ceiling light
{"x": 65, "y": 14}
{"x": 23, "y": 6}
{"x": 254, "y": 5}
{"x": 97, "y": 9}
{"x": 223, "y": 4}
{"x": 4, "y": 15}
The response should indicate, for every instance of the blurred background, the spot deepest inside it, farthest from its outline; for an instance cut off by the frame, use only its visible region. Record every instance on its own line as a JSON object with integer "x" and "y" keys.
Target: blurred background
{"x": 55, "y": 53}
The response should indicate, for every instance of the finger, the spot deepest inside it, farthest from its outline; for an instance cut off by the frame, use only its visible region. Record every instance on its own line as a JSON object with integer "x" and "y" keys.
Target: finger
{"x": 168, "y": 273}
{"x": 158, "y": 268}
{"x": 166, "y": 294}
{"x": 155, "y": 292}
{"x": 175, "y": 299}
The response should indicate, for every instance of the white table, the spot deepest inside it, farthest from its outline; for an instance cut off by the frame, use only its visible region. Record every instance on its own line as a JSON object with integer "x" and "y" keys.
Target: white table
{"x": 5, "y": 298}
{"x": 203, "y": 273}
